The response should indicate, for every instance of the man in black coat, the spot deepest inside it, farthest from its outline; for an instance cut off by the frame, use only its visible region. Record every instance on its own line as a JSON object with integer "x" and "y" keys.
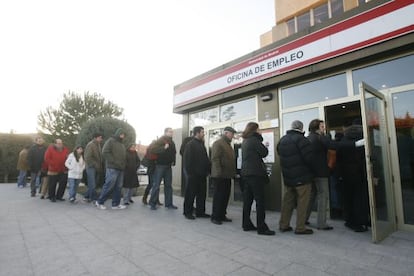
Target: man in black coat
{"x": 35, "y": 158}
{"x": 197, "y": 166}
{"x": 296, "y": 156}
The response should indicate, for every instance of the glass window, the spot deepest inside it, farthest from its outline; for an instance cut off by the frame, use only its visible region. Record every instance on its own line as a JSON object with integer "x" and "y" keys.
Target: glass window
{"x": 385, "y": 75}
{"x": 320, "y": 14}
{"x": 237, "y": 110}
{"x": 204, "y": 118}
{"x": 305, "y": 116}
{"x": 303, "y": 21}
{"x": 404, "y": 128}
{"x": 291, "y": 26}
{"x": 337, "y": 8}
{"x": 320, "y": 90}
{"x": 361, "y": 2}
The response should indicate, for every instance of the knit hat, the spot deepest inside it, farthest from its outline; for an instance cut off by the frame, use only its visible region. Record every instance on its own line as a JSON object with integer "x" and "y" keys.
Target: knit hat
{"x": 118, "y": 132}
{"x": 298, "y": 125}
{"x": 230, "y": 129}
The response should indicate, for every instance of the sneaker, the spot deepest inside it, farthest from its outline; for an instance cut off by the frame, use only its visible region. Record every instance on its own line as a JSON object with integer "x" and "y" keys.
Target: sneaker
{"x": 72, "y": 200}
{"x": 100, "y": 206}
{"x": 119, "y": 207}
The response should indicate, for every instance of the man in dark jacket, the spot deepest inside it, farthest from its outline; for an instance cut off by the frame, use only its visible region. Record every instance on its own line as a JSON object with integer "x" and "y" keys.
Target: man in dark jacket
{"x": 165, "y": 150}
{"x": 223, "y": 169}
{"x": 320, "y": 190}
{"x": 197, "y": 166}
{"x": 114, "y": 153}
{"x": 93, "y": 160}
{"x": 35, "y": 158}
{"x": 296, "y": 155}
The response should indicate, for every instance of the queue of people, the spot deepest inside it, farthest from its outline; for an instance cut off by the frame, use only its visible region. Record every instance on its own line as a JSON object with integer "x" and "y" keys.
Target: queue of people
{"x": 304, "y": 163}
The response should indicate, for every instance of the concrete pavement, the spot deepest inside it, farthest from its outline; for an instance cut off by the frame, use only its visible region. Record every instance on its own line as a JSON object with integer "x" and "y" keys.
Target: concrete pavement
{"x": 38, "y": 237}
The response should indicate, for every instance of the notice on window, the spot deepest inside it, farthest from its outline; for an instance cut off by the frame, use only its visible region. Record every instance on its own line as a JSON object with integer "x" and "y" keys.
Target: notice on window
{"x": 268, "y": 141}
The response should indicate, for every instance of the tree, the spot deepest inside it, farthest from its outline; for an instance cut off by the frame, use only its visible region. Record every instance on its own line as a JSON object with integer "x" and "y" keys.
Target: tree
{"x": 74, "y": 110}
{"x": 107, "y": 127}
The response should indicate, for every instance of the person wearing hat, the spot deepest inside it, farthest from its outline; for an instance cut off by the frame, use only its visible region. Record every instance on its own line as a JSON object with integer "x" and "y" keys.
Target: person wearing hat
{"x": 296, "y": 157}
{"x": 114, "y": 153}
{"x": 223, "y": 169}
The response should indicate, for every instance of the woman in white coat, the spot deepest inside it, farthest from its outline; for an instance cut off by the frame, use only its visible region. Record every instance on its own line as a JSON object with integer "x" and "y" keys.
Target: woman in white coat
{"x": 75, "y": 164}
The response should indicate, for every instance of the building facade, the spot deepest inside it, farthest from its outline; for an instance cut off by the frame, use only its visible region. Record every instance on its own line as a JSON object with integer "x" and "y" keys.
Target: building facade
{"x": 333, "y": 60}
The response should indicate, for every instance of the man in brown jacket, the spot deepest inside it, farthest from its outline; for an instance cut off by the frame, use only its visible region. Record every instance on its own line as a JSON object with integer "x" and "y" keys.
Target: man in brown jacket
{"x": 223, "y": 169}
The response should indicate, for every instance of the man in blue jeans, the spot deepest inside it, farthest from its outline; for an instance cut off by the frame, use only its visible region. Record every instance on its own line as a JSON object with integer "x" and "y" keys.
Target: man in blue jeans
{"x": 165, "y": 150}
{"x": 114, "y": 153}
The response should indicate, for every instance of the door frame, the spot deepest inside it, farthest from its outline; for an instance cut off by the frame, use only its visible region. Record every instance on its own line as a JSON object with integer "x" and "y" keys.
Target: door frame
{"x": 380, "y": 229}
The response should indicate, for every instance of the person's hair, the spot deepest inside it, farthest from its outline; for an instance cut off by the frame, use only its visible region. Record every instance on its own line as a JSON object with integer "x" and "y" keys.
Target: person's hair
{"x": 167, "y": 129}
{"x": 197, "y": 130}
{"x": 97, "y": 134}
{"x": 251, "y": 127}
{"x": 75, "y": 153}
{"x": 314, "y": 125}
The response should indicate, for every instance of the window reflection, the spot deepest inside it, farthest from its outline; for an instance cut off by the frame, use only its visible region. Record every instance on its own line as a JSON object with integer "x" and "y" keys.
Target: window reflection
{"x": 237, "y": 110}
{"x": 204, "y": 117}
{"x": 404, "y": 128}
{"x": 305, "y": 116}
{"x": 315, "y": 91}
{"x": 303, "y": 21}
{"x": 321, "y": 14}
{"x": 385, "y": 75}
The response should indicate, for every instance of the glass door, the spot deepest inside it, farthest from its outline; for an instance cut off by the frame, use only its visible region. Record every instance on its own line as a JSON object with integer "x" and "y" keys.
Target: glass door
{"x": 377, "y": 157}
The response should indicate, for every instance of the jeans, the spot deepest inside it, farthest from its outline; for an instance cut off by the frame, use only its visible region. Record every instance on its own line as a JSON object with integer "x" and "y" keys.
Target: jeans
{"x": 33, "y": 182}
{"x": 92, "y": 176}
{"x": 73, "y": 187}
{"x": 162, "y": 172}
{"x": 128, "y": 194}
{"x": 322, "y": 196}
{"x": 114, "y": 179}
{"x": 21, "y": 179}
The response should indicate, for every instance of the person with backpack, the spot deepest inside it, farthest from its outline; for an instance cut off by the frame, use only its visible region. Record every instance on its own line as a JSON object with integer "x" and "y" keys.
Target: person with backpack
{"x": 165, "y": 150}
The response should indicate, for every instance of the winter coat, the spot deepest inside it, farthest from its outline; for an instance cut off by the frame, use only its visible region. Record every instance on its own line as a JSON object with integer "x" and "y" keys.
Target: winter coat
{"x": 253, "y": 152}
{"x": 196, "y": 161}
{"x": 55, "y": 159}
{"x": 130, "y": 172}
{"x": 223, "y": 164}
{"x": 93, "y": 155}
{"x": 22, "y": 162}
{"x": 320, "y": 145}
{"x": 75, "y": 168}
{"x": 165, "y": 156}
{"x": 296, "y": 158}
{"x": 35, "y": 157}
{"x": 114, "y": 153}
{"x": 350, "y": 159}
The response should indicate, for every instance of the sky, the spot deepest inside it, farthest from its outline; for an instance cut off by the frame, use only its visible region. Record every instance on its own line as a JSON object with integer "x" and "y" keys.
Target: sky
{"x": 131, "y": 52}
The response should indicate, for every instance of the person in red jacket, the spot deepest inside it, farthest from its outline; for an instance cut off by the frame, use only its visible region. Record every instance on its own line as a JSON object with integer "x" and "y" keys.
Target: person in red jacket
{"x": 55, "y": 158}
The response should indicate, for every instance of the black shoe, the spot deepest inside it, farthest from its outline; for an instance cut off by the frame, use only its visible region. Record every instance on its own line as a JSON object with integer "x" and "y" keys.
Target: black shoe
{"x": 325, "y": 228}
{"x": 60, "y": 199}
{"x": 171, "y": 207}
{"x": 126, "y": 203}
{"x": 286, "y": 229}
{"x": 306, "y": 232}
{"x": 131, "y": 201}
{"x": 190, "y": 217}
{"x": 267, "y": 232}
{"x": 216, "y": 221}
{"x": 250, "y": 228}
{"x": 226, "y": 219}
{"x": 42, "y": 197}
{"x": 53, "y": 199}
{"x": 203, "y": 215}
{"x": 307, "y": 222}
{"x": 360, "y": 228}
